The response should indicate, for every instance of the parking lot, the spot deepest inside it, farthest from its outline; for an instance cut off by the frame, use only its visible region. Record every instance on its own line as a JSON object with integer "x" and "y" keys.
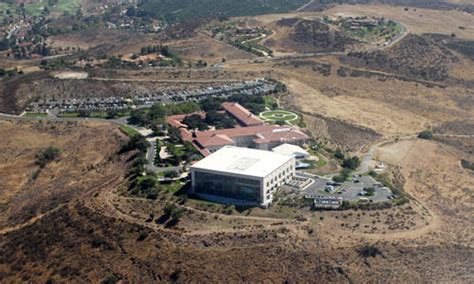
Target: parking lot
{"x": 359, "y": 187}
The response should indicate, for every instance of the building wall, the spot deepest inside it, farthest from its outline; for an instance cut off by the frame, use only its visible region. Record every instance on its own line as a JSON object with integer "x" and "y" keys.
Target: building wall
{"x": 276, "y": 179}
{"x": 244, "y": 141}
{"x": 226, "y": 185}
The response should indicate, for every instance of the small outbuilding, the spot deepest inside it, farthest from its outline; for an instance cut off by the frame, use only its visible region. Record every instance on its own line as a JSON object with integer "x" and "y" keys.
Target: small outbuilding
{"x": 291, "y": 150}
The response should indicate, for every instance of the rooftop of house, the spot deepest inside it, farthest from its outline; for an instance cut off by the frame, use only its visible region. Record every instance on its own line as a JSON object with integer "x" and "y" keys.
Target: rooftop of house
{"x": 242, "y": 161}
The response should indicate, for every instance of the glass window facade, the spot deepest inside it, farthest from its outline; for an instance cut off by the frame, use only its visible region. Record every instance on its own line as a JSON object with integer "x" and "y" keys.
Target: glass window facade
{"x": 227, "y": 186}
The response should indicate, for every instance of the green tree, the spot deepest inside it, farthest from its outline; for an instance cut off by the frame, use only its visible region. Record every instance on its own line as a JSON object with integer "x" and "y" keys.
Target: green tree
{"x": 47, "y": 155}
{"x": 351, "y": 163}
{"x": 426, "y": 134}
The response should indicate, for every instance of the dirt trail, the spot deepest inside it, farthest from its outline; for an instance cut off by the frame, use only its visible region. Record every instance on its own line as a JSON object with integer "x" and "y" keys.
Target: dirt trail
{"x": 30, "y": 222}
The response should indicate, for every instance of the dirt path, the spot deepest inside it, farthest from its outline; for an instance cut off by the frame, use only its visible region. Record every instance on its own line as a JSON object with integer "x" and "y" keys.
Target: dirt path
{"x": 30, "y": 222}
{"x": 304, "y": 6}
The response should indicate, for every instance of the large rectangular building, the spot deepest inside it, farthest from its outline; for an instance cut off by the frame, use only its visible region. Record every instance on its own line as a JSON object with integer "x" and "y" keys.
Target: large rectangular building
{"x": 238, "y": 175}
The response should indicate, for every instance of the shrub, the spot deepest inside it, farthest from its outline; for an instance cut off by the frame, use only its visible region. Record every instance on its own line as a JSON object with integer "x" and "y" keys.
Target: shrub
{"x": 467, "y": 165}
{"x": 426, "y": 134}
{"x": 351, "y": 163}
{"x": 171, "y": 174}
{"x": 142, "y": 236}
{"x": 47, "y": 155}
{"x": 343, "y": 175}
{"x": 369, "y": 251}
{"x": 339, "y": 155}
{"x": 372, "y": 173}
{"x": 136, "y": 142}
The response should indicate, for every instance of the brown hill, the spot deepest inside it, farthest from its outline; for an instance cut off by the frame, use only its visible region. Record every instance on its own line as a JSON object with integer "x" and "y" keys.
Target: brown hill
{"x": 414, "y": 57}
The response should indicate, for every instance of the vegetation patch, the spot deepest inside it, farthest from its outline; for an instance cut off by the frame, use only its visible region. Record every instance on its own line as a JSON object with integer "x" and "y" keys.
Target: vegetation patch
{"x": 129, "y": 131}
{"x": 181, "y": 10}
{"x": 467, "y": 164}
{"x": 47, "y": 155}
{"x": 279, "y": 116}
{"x": 426, "y": 134}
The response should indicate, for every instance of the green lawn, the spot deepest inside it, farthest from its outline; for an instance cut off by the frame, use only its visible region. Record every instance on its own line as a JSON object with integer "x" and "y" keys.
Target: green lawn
{"x": 35, "y": 9}
{"x": 172, "y": 187}
{"x": 279, "y": 115}
{"x": 269, "y": 101}
{"x": 34, "y": 114}
{"x": 68, "y": 114}
{"x": 128, "y": 130}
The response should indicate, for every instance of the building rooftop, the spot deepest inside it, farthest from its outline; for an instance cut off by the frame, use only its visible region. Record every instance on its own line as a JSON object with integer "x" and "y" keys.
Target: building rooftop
{"x": 280, "y": 134}
{"x": 243, "y": 115}
{"x": 242, "y": 161}
{"x": 289, "y": 149}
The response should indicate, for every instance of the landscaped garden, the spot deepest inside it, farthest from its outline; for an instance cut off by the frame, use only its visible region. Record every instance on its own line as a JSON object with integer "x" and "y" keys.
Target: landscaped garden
{"x": 280, "y": 117}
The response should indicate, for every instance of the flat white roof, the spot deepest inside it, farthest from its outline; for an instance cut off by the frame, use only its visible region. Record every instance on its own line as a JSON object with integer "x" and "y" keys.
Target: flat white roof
{"x": 289, "y": 149}
{"x": 242, "y": 161}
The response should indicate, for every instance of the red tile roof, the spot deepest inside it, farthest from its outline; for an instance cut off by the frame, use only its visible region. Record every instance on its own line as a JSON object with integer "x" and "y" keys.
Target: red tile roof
{"x": 259, "y": 133}
{"x": 214, "y": 140}
{"x": 238, "y": 132}
{"x": 242, "y": 115}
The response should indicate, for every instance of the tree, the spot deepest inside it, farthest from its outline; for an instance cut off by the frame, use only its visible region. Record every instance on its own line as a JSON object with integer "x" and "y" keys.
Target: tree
{"x": 146, "y": 184}
{"x": 211, "y": 104}
{"x": 171, "y": 174}
{"x": 343, "y": 175}
{"x": 136, "y": 142}
{"x": 47, "y": 155}
{"x": 351, "y": 163}
{"x": 426, "y": 134}
{"x": 339, "y": 155}
{"x": 112, "y": 114}
{"x": 83, "y": 113}
{"x": 195, "y": 121}
{"x": 369, "y": 251}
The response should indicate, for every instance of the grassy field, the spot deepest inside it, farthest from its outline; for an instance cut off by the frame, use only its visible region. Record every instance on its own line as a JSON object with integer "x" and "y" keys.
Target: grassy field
{"x": 128, "y": 130}
{"x": 34, "y": 114}
{"x": 63, "y": 6}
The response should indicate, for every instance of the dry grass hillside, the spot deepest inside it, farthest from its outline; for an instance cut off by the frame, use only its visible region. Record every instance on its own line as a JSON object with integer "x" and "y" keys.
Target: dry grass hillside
{"x": 87, "y": 161}
{"x": 90, "y": 231}
{"x": 304, "y": 36}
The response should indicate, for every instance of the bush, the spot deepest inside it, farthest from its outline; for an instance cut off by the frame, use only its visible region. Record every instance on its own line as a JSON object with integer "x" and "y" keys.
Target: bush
{"x": 467, "y": 165}
{"x": 136, "y": 142}
{"x": 339, "y": 155}
{"x": 351, "y": 163}
{"x": 171, "y": 174}
{"x": 369, "y": 251}
{"x": 426, "y": 134}
{"x": 47, "y": 155}
{"x": 372, "y": 173}
{"x": 343, "y": 175}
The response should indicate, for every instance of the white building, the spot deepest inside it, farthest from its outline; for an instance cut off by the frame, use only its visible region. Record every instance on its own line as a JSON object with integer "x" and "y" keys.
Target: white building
{"x": 292, "y": 150}
{"x": 238, "y": 175}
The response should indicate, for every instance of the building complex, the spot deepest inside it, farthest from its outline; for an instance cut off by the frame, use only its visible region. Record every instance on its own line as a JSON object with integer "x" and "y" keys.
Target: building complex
{"x": 251, "y": 132}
